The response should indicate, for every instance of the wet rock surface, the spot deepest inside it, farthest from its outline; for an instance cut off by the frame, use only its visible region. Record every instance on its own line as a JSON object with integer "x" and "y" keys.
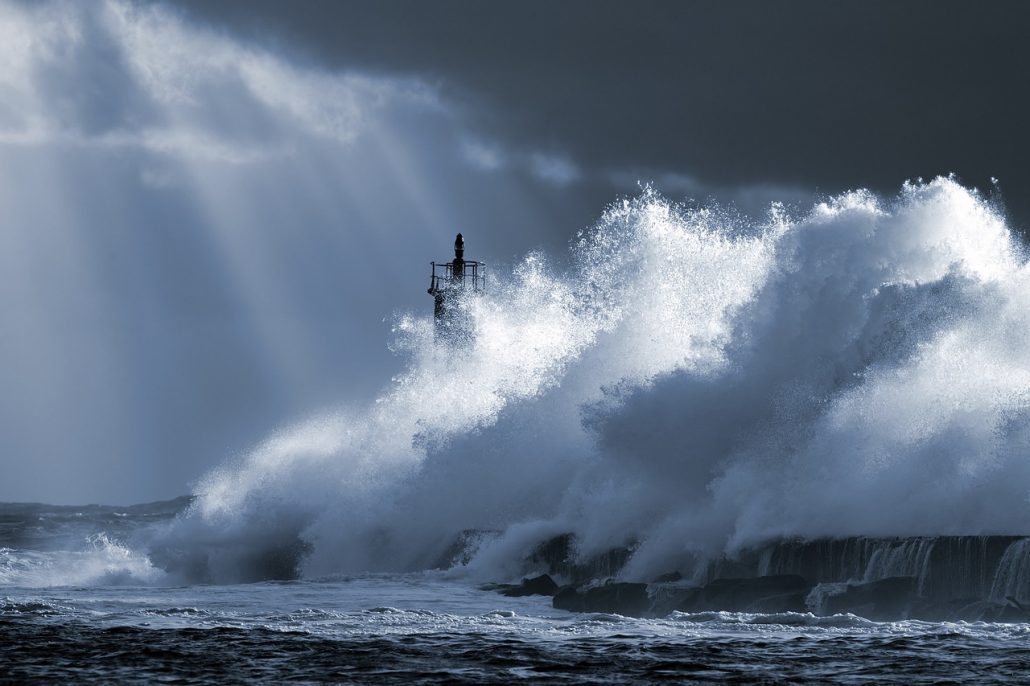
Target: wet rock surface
{"x": 942, "y": 578}
{"x": 883, "y": 600}
{"x": 618, "y": 597}
{"x": 538, "y": 585}
{"x": 740, "y": 595}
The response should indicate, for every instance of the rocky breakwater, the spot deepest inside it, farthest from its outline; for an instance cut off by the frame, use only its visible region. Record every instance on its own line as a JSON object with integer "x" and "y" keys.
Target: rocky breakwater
{"x": 933, "y": 578}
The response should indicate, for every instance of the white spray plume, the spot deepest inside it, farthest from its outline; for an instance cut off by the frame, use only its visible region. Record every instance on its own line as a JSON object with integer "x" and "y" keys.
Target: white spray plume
{"x": 695, "y": 382}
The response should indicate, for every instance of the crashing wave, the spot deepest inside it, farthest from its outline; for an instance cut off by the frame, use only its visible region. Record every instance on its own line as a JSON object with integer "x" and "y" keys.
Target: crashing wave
{"x": 695, "y": 382}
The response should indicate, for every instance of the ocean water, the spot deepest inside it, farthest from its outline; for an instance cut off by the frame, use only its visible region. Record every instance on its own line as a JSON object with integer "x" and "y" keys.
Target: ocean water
{"x": 77, "y": 604}
{"x": 691, "y": 384}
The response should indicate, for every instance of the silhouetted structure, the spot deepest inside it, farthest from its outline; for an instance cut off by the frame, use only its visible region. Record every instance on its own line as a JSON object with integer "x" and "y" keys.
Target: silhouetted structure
{"x": 448, "y": 282}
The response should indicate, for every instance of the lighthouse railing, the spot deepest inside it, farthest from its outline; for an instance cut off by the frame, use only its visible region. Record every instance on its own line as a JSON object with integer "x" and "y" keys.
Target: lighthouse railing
{"x": 472, "y": 276}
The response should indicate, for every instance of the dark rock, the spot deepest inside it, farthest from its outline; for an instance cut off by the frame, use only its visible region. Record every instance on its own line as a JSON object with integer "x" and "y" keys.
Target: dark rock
{"x": 665, "y": 598}
{"x": 463, "y": 547}
{"x": 747, "y": 594}
{"x": 1012, "y": 613}
{"x": 785, "y": 602}
{"x": 603, "y": 566}
{"x": 964, "y": 609}
{"x": 538, "y": 585}
{"x": 569, "y": 598}
{"x": 1012, "y": 602}
{"x": 950, "y": 568}
{"x": 981, "y": 611}
{"x": 555, "y": 555}
{"x": 558, "y": 556}
{"x": 668, "y": 578}
{"x": 280, "y": 562}
{"x": 888, "y": 599}
{"x": 785, "y": 593}
{"x": 969, "y": 610}
{"x": 623, "y": 598}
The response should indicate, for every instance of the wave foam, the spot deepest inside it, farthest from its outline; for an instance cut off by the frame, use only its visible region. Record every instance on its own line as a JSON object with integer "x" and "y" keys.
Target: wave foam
{"x": 695, "y": 381}
{"x": 102, "y": 562}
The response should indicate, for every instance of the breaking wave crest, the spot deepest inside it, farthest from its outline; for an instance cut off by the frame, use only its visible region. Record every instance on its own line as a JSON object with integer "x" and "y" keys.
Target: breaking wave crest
{"x": 695, "y": 381}
{"x": 100, "y": 562}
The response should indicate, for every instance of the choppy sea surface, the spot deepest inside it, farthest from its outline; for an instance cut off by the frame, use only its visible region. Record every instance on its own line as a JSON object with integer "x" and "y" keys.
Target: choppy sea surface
{"x": 420, "y": 628}
{"x": 77, "y": 604}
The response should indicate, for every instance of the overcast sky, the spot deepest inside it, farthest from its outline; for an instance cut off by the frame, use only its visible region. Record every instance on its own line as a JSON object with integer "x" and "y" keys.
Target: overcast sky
{"x": 213, "y": 210}
{"x": 821, "y": 95}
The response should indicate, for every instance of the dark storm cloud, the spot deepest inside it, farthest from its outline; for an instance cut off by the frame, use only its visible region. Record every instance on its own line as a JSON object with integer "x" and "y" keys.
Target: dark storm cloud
{"x": 826, "y": 95}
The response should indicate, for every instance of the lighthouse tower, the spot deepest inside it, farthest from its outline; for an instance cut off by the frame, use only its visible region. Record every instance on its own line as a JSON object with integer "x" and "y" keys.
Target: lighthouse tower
{"x": 449, "y": 282}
